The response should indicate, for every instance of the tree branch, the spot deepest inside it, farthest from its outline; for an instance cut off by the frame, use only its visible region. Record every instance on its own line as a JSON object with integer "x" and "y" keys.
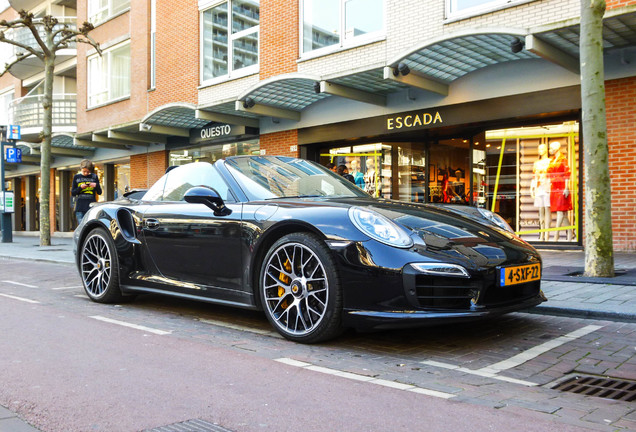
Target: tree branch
{"x": 38, "y": 54}
{"x": 28, "y": 22}
{"x": 18, "y": 59}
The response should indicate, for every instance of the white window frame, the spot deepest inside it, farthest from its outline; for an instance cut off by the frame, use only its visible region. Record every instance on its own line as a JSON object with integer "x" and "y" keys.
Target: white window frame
{"x": 345, "y": 43}
{"x": 91, "y": 14}
{"x": 204, "y": 6}
{"x": 105, "y": 58}
{"x": 488, "y": 6}
{"x": 10, "y": 96}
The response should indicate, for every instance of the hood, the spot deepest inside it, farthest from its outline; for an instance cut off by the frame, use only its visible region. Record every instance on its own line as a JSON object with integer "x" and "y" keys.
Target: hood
{"x": 453, "y": 236}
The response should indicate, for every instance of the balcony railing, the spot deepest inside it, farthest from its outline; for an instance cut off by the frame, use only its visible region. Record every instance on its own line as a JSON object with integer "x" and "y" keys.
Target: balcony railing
{"x": 25, "y": 37}
{"x": 28, "y": 112}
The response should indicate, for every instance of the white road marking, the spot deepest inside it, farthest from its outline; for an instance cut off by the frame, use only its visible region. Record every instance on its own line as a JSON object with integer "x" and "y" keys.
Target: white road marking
{"x": 493, "y": 370}
{"x": 478, "y": 372}
{"x": 539, "y": 349}
{"x": 19, "y": 283}
{"x": 67, "y": 288}
{"x": 20, "y": 298}
{"x": 135, "y": 326}
{"x": 364, "y": 378}
{"x": 241, "y": 328}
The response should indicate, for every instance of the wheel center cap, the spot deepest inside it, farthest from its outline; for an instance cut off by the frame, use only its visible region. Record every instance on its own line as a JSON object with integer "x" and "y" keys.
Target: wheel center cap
{"x": 297, "y": 288}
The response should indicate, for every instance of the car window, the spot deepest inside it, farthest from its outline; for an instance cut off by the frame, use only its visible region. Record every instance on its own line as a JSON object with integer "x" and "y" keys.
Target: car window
{"x": 156, "y": 191}
{"x": 263, "y": 177}
{"x": 173, "y": 185}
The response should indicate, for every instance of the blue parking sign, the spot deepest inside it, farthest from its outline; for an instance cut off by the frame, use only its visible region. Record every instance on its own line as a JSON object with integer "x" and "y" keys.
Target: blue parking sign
{"x": 14, "y": 155}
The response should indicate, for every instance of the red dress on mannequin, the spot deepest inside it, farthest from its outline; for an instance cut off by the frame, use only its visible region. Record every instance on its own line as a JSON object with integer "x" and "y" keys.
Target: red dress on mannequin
{"x": 558, "y": 172}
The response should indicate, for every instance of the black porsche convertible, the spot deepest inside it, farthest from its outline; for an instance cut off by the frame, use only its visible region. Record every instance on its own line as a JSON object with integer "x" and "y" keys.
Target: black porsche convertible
{"x": 309, "y": 248}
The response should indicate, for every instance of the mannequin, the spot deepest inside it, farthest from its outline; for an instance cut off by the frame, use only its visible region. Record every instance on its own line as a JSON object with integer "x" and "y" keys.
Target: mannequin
{"x": 540, "y": 191}
{"x": 560, "y": 198}
{"x": 370, "y": 179}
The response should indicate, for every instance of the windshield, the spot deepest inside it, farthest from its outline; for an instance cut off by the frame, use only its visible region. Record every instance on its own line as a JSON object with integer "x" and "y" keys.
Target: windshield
{"x": 271, "y": 177}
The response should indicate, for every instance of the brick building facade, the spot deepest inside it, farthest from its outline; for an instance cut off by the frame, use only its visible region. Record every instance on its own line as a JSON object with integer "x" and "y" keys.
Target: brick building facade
{"x": 427, "y": 93}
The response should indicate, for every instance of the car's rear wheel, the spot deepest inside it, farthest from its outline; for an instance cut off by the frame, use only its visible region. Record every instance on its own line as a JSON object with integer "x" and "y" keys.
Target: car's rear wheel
{"x": 300, "y": 289}
{"x": 100, "y": 268}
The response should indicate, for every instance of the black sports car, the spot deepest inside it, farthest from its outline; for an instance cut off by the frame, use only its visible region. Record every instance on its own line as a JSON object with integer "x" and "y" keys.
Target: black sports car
{"x": 308, "y": 247}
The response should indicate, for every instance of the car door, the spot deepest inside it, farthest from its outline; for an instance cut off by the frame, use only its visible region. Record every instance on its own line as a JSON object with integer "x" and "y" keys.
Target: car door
{"x": 195, "y": 251}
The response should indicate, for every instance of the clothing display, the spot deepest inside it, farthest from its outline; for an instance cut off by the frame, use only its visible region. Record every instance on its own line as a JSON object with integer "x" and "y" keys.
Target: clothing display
{"x": 540, "y": 183}
{"x": 558, "y": 172}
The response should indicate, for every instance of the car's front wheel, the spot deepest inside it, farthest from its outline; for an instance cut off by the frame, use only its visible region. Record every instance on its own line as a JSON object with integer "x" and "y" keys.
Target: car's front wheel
{"x": 300, "y": 289}
{"x": 99, "y": 267}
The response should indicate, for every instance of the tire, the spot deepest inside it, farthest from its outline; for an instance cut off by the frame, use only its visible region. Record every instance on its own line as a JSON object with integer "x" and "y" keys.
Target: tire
{"x": 300, "y": 289}
{"x": 99, "y": 267}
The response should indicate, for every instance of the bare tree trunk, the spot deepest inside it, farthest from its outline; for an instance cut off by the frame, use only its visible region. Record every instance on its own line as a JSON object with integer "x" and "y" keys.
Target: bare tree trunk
{"x": 599, "y": 249}
{"x": 45, "y": 158}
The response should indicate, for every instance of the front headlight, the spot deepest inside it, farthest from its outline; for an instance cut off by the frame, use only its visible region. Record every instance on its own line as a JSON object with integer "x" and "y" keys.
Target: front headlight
{"x": 496, "y": 219}
{"x": 379, "y": 227}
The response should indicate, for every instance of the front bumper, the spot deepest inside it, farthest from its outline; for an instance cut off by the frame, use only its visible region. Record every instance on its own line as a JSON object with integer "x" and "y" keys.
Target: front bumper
{"x": 377, "y": 320}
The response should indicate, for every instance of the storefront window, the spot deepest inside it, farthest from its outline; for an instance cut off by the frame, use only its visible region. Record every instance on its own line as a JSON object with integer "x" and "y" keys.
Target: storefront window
{"x": 531, "y": 180}
{"x": 212, "y": 153}
{"x": 412, "y": 172}
{"x": 369, "y": 164}
{"x": 122, "y": 179}
{"x": 449, "y": 174}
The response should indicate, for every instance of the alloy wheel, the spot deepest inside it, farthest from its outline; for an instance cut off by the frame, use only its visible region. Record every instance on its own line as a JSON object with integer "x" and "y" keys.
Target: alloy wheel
{"x": 295, "y": 288}
{"x": 96, "y": 265}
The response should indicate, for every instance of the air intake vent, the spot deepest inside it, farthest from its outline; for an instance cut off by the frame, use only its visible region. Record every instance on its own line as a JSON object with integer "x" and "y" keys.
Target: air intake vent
{"x": 608, "y": 388}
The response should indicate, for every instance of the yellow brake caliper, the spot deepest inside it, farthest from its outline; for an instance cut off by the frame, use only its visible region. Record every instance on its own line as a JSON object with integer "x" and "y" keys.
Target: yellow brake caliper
{"x": 286, "y": 280}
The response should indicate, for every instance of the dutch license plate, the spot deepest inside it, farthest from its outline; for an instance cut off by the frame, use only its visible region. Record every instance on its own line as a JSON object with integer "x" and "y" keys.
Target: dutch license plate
{"x": 519, "y": 274}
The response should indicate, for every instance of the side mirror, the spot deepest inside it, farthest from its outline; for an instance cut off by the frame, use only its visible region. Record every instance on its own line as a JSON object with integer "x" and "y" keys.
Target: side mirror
{"x": 209, "y": 197}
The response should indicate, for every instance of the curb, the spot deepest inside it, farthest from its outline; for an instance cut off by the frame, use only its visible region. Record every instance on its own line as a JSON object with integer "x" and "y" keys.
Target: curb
{"x": 583, "y": 313}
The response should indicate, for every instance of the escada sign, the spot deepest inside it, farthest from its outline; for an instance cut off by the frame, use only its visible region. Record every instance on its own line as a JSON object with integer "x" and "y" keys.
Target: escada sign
{"x": 413, "y": 120}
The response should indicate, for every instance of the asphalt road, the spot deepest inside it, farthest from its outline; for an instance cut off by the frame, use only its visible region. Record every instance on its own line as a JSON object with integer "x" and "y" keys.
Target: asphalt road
{"x": 67, "y": 364}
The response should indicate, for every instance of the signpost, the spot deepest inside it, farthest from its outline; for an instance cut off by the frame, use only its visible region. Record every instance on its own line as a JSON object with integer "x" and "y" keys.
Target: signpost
{"x": 13, "y": 155}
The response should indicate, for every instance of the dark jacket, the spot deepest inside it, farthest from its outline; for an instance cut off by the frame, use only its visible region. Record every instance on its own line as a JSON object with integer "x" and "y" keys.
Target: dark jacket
{"x": 86, "y": 195}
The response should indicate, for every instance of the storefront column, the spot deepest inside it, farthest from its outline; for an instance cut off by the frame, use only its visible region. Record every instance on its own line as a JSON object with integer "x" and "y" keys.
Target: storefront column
{"x": 147, "y": 168}
{"x": 283, "y": 143}
{"x": 31, "y": 203}
{"x": 17, "y": 203}
{"x": 65, "y": 200}
{"x": 108, "y": 188}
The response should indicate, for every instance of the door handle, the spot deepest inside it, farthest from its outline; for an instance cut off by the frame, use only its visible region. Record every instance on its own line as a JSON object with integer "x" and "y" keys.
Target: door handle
{"x": 152, "y": 224}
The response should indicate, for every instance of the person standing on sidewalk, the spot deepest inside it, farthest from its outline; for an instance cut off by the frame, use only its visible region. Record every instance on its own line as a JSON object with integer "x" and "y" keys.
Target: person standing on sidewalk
{"x": 85, "y": 189}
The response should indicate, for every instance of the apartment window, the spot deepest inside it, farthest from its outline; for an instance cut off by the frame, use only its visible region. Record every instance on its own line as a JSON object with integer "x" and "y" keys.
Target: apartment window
{"x": 101, "y": 10}
{"x": 464, "y": 8}
{"x": 338, "y": 23}
{"x": 5, "y": 109}
{"x": 230, "y": 39}
{"x": 109, "y": 75}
